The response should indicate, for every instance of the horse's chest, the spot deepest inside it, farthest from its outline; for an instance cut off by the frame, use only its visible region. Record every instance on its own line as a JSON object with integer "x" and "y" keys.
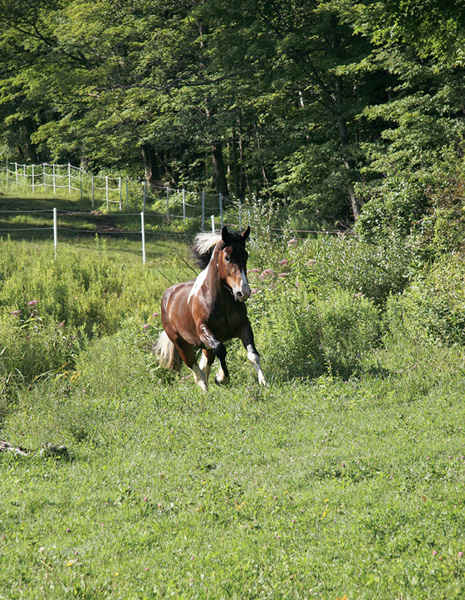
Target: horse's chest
{"x": 226, "y": 324}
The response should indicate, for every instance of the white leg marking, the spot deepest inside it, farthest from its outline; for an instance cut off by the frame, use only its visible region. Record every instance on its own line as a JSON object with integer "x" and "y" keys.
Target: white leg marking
{"x": 220, "y": 377}
{"x": 204, "y": 366}
{"x": 199, "y": 376}
{"x": 255, "y": 360}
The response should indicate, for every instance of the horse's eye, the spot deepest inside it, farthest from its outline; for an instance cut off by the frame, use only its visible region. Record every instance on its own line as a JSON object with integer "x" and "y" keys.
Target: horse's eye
{"x": 226, "y": 258}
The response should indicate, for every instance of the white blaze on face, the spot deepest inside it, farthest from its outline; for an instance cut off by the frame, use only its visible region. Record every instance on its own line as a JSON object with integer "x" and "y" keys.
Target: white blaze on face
{"x": 241, "y": 291}
{"x": 245, "y": 289}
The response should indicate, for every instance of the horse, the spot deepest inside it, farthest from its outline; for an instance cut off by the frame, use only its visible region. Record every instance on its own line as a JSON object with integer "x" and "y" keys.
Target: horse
{"x": 209, "y": 310}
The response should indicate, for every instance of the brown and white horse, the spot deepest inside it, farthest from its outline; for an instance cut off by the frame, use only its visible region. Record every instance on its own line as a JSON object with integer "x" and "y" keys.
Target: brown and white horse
{"x": 208, "y": 311}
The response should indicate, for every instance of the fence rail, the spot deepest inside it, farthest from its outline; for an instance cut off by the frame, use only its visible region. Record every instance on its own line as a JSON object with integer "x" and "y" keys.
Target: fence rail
{"x": 161, "y": 208}
{"x": 144, "y": 218}
{"x": 111, "y": 190}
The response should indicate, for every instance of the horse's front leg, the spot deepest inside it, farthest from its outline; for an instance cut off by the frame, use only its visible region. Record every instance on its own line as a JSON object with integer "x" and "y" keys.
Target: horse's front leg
{"x": 246, "y": 337}
{"x": 219, "y": 351}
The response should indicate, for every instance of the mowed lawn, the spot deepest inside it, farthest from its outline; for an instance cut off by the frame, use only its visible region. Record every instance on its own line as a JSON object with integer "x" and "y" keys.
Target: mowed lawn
{"x": 318, "y": 488}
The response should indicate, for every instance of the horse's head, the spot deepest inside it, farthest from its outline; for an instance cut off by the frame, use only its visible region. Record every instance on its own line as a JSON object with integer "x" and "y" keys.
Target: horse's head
{"x": 232, "y": 263}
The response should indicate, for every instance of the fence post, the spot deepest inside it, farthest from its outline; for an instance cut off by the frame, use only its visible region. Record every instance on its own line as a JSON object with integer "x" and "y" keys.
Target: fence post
{"x": 127, "y": 195}
{"x": 106, "y": 188}
{"x": 183, "y": 206}
{"x": 80, "y": 180}
{"x": 120, "y": 195}
{"x": 55, "y": 232}
{"x": 221, "y": 210}
{"x": 93, "y": 198}
{"x": 143, "y": 235}
{"x": 32, "y": 178}
{"x": 45, "y": 181}
{"x": 203, "y": 209}
{"x": 69, "y": 178}
{"x": 213, "y": 223}
{"x": 7, "y": 173}
{"x": 16, "y": 172}
{"x": 54, "y": 179}
{"x": 168, "y": 201}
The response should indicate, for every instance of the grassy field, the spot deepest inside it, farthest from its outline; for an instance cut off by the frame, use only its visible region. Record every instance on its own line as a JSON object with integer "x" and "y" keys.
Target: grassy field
{"x": 332, "y": 485}
{"x": 322, "y": 488}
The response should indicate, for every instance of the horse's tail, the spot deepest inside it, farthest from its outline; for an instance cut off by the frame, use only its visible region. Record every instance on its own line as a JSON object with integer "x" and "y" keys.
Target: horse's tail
{"x": 167, "y": 352}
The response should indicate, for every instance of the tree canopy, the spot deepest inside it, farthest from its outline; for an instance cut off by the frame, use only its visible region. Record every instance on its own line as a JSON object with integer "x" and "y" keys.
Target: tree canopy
{"x": 316, "y": 103}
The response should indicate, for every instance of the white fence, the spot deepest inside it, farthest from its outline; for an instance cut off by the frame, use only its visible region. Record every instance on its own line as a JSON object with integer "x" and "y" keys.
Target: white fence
{"x": 116, "y": 191}
{"x": 55, "y": 228}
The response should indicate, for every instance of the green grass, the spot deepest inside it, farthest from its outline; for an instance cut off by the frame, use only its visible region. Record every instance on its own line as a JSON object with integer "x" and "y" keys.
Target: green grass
{"x": 331, "y": 486}
{"x": 319, "y": 488}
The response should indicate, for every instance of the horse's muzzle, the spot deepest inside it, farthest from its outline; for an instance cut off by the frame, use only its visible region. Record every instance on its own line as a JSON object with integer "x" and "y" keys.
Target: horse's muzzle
{"x": 242, "y": 295}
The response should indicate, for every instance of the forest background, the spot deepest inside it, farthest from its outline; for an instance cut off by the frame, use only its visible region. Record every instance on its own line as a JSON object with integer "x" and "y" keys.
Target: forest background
{"x": 327, "y": 106}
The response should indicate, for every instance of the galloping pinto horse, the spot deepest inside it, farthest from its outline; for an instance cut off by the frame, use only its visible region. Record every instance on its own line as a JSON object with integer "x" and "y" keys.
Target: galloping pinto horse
{"x": 208, "y": 311}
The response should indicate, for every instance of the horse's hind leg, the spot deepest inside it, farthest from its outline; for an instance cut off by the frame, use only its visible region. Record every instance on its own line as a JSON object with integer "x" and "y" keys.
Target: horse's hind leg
{"x": 206, "y": 361}
{"x": 188, "y": 356}
{"x": 218, "y": 350}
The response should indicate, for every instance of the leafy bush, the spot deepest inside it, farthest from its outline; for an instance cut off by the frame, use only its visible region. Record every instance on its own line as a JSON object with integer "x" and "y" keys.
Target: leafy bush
{"x": 302, "y": 328}
{"x": 444, "y": 226}
{"x": 433, "y": 307}
{"x": 350, "y": 327}
{"x": 33, "y": 346}
{"x": 82, "y": 290}
{"x": 372, "y": 269}
{"x": 395, "y": 207}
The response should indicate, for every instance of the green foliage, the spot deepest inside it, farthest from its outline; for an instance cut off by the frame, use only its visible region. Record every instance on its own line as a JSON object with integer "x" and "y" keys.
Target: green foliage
{"x": 89, "y": 291}
{"x": 394, "y": 209}
{"x": 432, "y": 308}
{"x": 302, "y": 326}
{"x": 374, "y": 270}
{"x": 33, "y": 347}
{"x": 350, "y": 328}
{"x": 443, "y": 228}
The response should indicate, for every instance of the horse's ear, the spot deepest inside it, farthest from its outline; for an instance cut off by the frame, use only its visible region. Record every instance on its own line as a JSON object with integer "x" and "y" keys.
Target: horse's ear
{"x": 245, "y": 234}
{"x": 225, "y": 235}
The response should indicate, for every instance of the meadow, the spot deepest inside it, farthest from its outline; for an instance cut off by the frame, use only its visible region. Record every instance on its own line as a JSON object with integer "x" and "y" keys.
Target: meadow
{"x": 342, "y": 479}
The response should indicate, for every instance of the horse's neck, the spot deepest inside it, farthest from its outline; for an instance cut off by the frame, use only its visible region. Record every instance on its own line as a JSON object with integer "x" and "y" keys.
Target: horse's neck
{"x": 216, "y": 285}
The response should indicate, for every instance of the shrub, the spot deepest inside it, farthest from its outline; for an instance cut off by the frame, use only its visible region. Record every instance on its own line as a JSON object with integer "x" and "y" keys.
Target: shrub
{"x": 302, "y": 329}
{"x": 350, "y": 327}
{"x": 433, "y": 307}
{"x": 375, "y": 270}
{"x": 33, "y": 346}
{"x": 395, "y": 207}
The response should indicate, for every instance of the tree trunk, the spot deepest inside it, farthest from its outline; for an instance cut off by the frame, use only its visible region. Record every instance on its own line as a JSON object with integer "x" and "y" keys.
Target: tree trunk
{"x": 343, "y": 133}
{"x": 152, "y": 171}
{"x": 219, "y": 174}
{"x": 235, "y": 165}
